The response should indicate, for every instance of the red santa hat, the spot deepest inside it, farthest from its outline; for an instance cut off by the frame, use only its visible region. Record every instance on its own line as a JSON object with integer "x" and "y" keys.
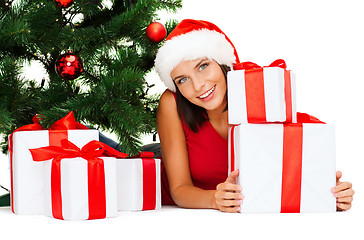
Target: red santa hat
{"x": 190, "y": 40}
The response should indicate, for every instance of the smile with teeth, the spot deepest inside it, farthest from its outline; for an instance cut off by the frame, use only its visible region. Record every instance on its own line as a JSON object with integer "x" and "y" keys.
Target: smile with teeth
{"x": 206, "y": 94}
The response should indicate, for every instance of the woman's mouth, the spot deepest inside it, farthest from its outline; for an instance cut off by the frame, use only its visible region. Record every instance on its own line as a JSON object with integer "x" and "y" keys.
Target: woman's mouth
{"x": 207, "y": 94}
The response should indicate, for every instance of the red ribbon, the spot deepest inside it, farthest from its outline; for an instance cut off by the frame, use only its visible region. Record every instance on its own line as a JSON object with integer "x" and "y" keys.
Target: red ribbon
{"x": 149, "y": 184}
{"x": 250, "y": 65}
{"x": 291, "y": 162}
{"x": 291, "y": 168}
{"x": 96, "y": 174}
{"x": 232, "y": 149}
{"x": 59, "y": 132}
{"x": 254, "y": 90}
{"x": 255, "y": 96}
{"x": 288, "y": 95}
{"x": 149, "y": 180}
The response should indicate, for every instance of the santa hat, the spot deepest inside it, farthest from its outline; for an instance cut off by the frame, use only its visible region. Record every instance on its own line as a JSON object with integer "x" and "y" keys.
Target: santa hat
{"x": 190, "y": 40}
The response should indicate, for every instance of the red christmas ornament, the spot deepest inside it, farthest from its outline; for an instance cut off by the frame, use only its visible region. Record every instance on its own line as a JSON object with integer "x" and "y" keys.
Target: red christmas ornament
{"x": 69, "y": 66}
{"x": 64, "y": 3}
{"x": 156, "y": 32}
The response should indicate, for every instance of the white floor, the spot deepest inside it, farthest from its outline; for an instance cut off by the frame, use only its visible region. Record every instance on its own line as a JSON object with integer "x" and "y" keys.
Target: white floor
{"x": 178, "y": 223}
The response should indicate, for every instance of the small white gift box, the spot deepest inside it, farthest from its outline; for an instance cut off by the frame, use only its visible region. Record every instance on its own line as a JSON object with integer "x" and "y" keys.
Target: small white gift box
{"x": 261, "y": 95}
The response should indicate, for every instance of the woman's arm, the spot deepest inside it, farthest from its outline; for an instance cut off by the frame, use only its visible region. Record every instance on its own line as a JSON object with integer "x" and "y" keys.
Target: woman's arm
{"x": 175, "y": 157}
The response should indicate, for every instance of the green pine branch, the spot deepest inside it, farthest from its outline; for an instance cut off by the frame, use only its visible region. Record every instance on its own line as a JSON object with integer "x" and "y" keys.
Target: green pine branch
{"x": 111, "y": 94}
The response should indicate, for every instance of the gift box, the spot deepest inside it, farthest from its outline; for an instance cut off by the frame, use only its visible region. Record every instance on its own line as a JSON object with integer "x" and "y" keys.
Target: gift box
{"x": 75, "y": 198}
{"x": 79, "y": 183}
{"x": 284, "y": 167}
{"x": 138, "y": 184}
{"x": 261, "y": 94}
{"x": 27, "y": 184}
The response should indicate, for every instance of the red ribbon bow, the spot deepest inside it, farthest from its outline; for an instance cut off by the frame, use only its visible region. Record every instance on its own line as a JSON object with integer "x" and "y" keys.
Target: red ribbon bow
{"x": 66, "y": 123}
{"x": 91, "y": 151}
{"x": 96, "y": 174}
{"x": 250, "y": 65}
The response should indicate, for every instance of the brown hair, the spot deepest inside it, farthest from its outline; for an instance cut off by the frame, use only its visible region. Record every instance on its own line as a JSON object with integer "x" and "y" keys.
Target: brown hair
{"x": 194, "y": 116}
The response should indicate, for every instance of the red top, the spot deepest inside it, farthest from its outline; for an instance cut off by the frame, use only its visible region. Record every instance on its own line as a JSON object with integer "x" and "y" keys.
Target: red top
{"x": 208, "y": 159}
{"x": 208, "y": 156}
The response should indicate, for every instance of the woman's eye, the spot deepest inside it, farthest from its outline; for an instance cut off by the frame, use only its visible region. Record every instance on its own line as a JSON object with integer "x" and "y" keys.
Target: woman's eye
{"x": 182, "y": 80}
{"x": 203, "y": 66}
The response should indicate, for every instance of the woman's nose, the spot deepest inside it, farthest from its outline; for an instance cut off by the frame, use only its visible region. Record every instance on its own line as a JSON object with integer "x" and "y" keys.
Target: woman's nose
{"x": 198, "y": 83}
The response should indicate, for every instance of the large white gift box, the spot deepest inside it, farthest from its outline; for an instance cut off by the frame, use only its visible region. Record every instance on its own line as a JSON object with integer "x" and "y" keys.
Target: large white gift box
{"x": 284, "y": 167}
{"x": 138, "y": 184}
{"x": 261, "y": 95}
{"x": 27, "y": 176}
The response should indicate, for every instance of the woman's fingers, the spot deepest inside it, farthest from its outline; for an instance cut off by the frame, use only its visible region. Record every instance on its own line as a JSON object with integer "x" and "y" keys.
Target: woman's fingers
{"x": 345, "y": 193}
{"x": 229, "y": 209}
{"x": 228, "y": 195}
{"x": 339, "y": 174}
{"x": 343, "y": 190}
{"x": 344, "y": 200}
{"x": 229, "y": 203}
{"x": 342, "y": 186}
{"x": 232, "y": 176}
{"x": 228, "y": 187}
{"x": 343, "y": 206}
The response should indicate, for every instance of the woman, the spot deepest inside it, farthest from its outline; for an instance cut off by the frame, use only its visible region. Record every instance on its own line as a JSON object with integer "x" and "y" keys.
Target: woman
{"x": 192, "y": 120}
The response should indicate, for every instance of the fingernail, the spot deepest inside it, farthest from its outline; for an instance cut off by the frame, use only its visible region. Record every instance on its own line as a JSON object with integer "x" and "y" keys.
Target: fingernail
{"x": 241, "y": 196}
{"x": 239, "y": 188}
{"x": 239, "y": 201}
{"x": 237, "y": 209}
{"x": 335, "y": 194}
{"x": 333, "y": 190}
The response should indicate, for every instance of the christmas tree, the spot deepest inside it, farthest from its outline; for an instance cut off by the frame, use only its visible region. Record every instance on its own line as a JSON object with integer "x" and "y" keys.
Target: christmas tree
{"x": 102, "y": 54}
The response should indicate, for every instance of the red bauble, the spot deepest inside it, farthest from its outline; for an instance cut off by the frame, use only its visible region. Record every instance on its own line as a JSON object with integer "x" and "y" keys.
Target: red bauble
{"x": 156, "y": 32}
{"x": 69, "y": 66}
{"x": 64, "y": 3}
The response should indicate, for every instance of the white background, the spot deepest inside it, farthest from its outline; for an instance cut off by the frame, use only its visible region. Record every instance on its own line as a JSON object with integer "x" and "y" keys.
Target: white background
{"x": 322, "y": 42}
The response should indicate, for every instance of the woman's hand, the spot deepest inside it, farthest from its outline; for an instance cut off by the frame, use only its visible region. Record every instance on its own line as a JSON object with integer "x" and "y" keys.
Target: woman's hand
{"x": 343, "y": 193}
{"x": 228, "y": 196}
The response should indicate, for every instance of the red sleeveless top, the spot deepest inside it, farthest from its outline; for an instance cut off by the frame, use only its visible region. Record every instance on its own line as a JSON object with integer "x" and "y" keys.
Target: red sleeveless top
{"x": 208, "y": 159}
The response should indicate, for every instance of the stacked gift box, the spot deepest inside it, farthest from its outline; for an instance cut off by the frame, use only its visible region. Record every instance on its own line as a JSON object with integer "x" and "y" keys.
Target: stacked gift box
{"x": 66, "y": 173}
{"x": 286, "y": 160}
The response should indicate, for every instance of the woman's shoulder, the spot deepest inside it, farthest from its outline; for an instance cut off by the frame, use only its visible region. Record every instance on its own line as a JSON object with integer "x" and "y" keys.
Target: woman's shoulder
{"x": 168, "y": 94}
{"x": 167, "y": 110}
{"x": 168, "y": 99}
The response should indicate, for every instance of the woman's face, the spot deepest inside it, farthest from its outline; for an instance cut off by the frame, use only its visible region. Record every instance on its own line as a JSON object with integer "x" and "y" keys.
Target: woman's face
{"x": 202, "y": 82}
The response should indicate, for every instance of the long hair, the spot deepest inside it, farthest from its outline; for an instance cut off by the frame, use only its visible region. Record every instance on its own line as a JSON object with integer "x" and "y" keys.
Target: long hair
{"x": 194, "y": 116}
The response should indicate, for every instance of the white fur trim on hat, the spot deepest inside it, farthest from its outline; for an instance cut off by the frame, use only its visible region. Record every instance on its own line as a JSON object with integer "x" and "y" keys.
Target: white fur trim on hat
{"x": 193, "y": 45}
